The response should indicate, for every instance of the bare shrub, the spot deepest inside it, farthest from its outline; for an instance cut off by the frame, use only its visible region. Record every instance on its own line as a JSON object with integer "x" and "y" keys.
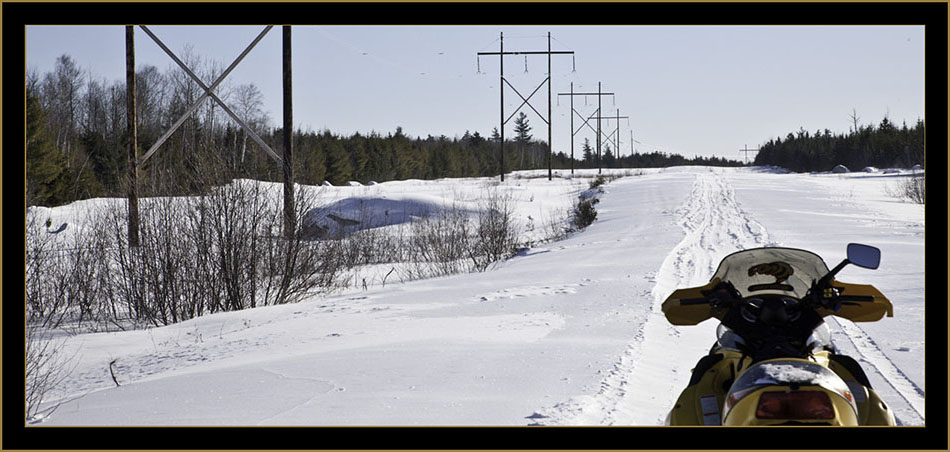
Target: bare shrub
{"x": 43, "y": 296}
{"x": 911, "y": 189}
{"x": 496, "y": 231}
{"x": 914, "y": 189}
{"x": 47, "y": 366}
{"x": 222, "y": 251}
{"x": 65, "y": 275}
{"x": 306, "y": 266}
{"x": 442, "y": 243}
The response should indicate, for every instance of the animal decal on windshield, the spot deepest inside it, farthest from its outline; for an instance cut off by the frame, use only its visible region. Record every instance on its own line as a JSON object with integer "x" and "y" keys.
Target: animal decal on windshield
{"x": 780, "y": 270}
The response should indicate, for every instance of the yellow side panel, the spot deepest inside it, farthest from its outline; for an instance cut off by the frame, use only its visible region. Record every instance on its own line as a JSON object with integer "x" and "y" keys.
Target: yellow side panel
{"x": 871, "y": 409}
{"x": 693, "y": 314}
{"x": 684, "y": 412}
{"x": 878, "y": 413}
{"x": 688, "y": 409}
{"x": 863, "y": 311}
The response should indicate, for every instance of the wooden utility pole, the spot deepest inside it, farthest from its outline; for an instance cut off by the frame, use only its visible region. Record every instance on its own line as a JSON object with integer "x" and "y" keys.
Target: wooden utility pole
{"x": 632, "y": 148}
{"x": 617, "y": 138}
{"x": 550, "y": 119}
{"x": 132, "y": 178}
{"x": 501, "y": 89}
{"x": 290, "y": 223}
{"x": 599, "y": 160}
{"x": 747, "y": 151}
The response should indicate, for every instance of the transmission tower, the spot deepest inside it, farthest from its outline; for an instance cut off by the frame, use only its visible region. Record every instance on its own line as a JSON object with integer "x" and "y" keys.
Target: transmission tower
{"x": 598, "y": 133}
{"x": 525, "y": 101}
{"x": 615, "y": 134}
{"x": 135, "y": 163}
{"x": 746, "y": 150}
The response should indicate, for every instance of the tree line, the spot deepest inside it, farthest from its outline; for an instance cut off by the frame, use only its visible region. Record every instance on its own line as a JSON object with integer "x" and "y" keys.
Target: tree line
{"x": 77, "y": 135}
{"x": 884, "y": 146}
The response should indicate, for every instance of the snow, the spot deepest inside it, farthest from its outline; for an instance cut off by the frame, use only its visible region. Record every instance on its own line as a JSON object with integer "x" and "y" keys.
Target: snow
{"x": 564, "y": 333}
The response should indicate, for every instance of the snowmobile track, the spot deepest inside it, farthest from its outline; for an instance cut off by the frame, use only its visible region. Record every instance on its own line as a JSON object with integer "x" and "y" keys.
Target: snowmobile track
{"x": 714, "y": 225}
{"x": 872, "y": 355}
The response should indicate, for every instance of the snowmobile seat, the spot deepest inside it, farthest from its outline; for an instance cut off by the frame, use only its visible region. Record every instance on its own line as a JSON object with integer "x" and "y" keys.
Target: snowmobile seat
{"x": 852, "y": 366}
{"x": 704, "y": 364}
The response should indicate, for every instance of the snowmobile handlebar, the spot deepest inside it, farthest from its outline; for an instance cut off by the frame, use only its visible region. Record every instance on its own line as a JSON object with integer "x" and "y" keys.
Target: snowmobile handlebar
{"x": 856, "y": 298}
{"x": 728, "y": 301}
{"x": 692, "y": 301}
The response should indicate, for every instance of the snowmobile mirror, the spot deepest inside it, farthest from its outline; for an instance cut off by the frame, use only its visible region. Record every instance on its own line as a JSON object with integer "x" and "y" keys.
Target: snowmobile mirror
{"x": 864, "y": 255}
{"x": 861, "y": 255}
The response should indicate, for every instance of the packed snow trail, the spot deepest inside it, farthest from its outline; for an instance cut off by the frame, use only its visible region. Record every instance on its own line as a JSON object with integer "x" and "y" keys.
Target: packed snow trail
{"x": 645, "y": 382}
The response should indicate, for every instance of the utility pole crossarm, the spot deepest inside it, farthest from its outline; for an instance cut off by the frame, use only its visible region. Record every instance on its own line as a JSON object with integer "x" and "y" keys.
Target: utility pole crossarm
{"x": 584, "y": 94}
{"x": 746, "y": 150}
{"x": 538, "y": 52}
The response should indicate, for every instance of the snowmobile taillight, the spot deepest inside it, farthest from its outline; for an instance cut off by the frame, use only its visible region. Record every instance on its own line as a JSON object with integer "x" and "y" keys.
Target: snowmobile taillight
{"x": 795, "y": 405}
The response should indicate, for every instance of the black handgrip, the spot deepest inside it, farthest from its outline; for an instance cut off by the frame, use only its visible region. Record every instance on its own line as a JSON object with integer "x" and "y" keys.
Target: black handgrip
{"x": 858, "y": 298}
{"x": 689, "y": 301}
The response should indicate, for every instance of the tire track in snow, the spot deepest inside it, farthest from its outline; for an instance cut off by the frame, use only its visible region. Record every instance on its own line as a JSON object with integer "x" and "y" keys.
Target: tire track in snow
{"x": 903, "y": 388}
{"x": 715, "y": 226}
{"x": 643, "y": 385}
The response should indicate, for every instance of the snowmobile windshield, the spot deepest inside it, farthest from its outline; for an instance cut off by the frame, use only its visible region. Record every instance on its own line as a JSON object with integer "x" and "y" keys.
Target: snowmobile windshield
{"x": 780, "y": 271}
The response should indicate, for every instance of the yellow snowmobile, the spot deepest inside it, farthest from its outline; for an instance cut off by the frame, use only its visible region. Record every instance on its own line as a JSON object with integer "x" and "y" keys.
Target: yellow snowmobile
{"x": 773, "y": 362}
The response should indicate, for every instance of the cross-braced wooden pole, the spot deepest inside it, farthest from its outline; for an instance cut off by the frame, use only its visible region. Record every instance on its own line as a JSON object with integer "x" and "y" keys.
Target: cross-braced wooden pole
{"x": 132, "y": 178}
{"x": 290, "y": 223}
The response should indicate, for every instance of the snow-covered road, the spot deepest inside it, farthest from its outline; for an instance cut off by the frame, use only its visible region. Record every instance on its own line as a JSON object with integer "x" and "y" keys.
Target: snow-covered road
{"x": 568, "y": 333}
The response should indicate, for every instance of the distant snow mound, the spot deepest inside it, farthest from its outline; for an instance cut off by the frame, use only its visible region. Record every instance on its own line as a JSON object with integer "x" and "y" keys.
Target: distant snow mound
{"x": 372, "y": 182}
{"x": 870, "y": 169}
{"x": 326, "y": 183}
{"x": 354, "y": 183}
{"x": 771, "y": 169}
{"x": 366, "y": 212}
{"x": 892, "y": 171}
{"x": 917, "y": 167}
{"x": 840, "y": 169}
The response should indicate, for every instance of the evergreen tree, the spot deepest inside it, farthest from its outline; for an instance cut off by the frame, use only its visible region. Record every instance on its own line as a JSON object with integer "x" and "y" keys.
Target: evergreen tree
{"x": 477, "y": 140}
{"x": 588, "y": 154}
{"x": 45, "y": 166}
{"x": 609, "y": 160}
{"x": 522, "y": 137}
{"x": 339, "y": 168}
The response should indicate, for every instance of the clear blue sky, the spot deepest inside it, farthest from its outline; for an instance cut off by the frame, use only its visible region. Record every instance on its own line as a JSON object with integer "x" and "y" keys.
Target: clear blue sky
{"x": 692, "y": 90}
